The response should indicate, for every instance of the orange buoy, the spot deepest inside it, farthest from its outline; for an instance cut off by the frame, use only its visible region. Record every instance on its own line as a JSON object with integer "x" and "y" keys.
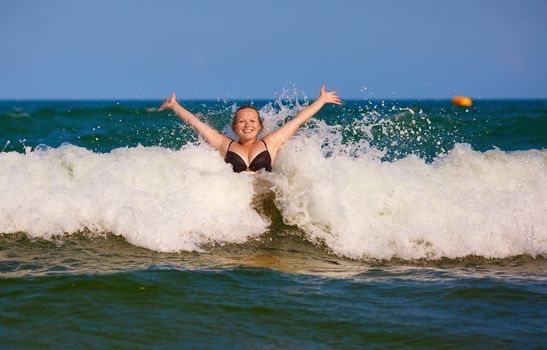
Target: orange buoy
{"x": 462, "y": 101}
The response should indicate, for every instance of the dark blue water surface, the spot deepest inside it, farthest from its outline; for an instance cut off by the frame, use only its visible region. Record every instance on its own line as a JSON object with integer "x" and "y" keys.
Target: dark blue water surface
{"x": 253, "y": 307}
{"x": 279, "y": 290}
{"x": 104, "y": 125}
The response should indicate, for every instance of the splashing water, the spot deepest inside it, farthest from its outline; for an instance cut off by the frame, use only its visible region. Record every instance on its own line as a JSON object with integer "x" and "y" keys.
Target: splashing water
{"x": 367, "y": 180}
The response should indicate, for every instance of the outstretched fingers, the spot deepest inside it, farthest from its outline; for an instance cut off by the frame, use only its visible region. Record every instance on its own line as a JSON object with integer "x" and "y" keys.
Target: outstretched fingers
{"x": 164, "y": 105}
{"x": 169, "y": 102}
{"x": 329, "y": 96}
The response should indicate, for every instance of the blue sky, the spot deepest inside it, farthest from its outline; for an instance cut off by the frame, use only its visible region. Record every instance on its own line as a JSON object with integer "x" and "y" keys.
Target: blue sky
{"x": 254, "y": 49}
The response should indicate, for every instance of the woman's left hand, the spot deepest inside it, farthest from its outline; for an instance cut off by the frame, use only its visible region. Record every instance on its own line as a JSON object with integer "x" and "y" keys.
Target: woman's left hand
{"x": 329, "y": 96}
{"x": 169, "y": 103}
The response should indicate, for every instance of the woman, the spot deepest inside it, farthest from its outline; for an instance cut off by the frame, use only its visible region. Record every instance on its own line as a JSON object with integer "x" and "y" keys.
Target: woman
{"x": 249, "y": 154}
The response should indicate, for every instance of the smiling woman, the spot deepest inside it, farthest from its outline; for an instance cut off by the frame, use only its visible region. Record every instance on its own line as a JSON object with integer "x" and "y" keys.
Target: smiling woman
{"x": 248, "y": 153}
{"x": 246, "y": 124}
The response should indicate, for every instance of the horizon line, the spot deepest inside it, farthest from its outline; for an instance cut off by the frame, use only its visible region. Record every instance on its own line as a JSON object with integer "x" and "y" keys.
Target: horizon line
{"x": 260, "y": 98}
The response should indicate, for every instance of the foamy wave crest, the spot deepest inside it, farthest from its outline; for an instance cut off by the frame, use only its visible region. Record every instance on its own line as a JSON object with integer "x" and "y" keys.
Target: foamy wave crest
{"x": 154, "y": 197}
{"x": 491, "y": 204}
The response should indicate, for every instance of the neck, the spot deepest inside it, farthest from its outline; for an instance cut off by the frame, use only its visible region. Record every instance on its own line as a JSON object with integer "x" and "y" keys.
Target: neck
{"x": 247, "y": 142}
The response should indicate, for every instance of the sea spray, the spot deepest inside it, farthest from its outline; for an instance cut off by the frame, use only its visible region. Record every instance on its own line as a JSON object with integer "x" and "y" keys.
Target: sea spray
{"x": 491, "y": 204}
{"x": 154, "y": 197}
{"x": 369, "y": 180}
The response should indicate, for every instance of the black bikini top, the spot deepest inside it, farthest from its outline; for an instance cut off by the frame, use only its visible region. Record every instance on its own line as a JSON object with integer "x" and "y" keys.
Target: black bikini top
{"x": 263, "y": 160}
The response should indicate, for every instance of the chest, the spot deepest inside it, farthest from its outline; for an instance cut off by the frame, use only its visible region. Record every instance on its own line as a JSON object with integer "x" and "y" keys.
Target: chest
{"x": 249, "y": 159}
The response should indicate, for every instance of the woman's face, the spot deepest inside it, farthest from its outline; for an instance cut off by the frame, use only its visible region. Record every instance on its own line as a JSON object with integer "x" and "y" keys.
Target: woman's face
{"x": 247, "y": 125}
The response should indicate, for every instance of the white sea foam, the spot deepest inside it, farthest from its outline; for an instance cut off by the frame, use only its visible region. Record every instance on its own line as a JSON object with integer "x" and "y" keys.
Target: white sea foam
{"x": 155, "y": 198}
{"x": 492, "y": 204}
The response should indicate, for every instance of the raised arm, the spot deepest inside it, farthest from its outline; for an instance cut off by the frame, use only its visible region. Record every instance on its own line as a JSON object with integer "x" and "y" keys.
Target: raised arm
{"x": 279, "y": 136}
{"x": 213, "y": 137}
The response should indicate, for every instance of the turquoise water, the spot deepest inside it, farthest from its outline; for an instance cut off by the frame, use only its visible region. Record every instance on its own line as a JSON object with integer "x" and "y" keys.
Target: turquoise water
{"x": 105, "y": 125}
{"x": 385, "y": 224}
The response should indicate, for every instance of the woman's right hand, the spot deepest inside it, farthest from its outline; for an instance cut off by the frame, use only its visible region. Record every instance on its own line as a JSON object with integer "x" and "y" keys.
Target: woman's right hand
{"x": 169, "y": 103}
{"x": 329, "y": 96}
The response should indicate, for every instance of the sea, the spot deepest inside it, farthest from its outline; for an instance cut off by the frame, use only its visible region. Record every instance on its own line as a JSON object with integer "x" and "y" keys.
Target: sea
{"x": 385, "y": 224}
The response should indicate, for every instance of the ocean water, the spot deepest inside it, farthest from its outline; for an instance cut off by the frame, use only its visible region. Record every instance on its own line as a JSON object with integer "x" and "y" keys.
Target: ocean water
{"x": 385, "y": 224}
